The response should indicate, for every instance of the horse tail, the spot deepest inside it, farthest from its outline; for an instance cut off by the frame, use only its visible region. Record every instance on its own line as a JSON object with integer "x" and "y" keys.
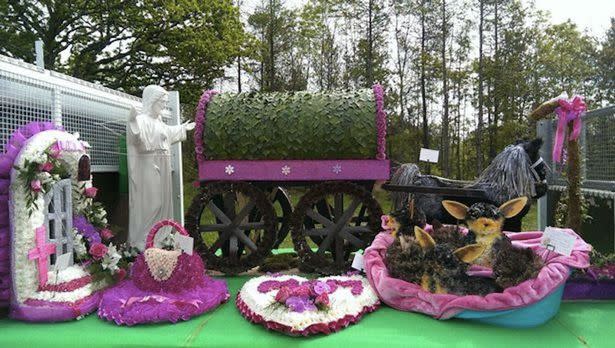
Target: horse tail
{"x": 406, "y": 174}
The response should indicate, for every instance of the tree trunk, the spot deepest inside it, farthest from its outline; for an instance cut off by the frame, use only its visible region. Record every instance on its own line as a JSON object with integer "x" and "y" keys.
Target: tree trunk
{"x": 423, "y": 77}
{"x": 270, "y": 41}
{"x": 239, "y": 74}
{"x": 479, "y": 127}
{"x": 370, "y": 44}
{"x": 493, "y": 134}
{"x": 445, "y": 136}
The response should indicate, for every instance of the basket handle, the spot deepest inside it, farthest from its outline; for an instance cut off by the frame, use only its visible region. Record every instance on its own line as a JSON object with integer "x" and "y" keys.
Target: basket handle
{"x": 149, "y": 243}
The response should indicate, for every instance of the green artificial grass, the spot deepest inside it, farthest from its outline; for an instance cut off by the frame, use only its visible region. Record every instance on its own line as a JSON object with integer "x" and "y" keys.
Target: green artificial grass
{"x": 579, "y": 324}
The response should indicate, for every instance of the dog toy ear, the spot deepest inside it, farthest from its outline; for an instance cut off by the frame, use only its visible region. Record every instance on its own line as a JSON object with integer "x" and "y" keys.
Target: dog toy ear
{"x": 513, "y": 207}
{"x": 424, "y": 239}
{"x": 470, "y": 252}
{"x": 456, "y": 209}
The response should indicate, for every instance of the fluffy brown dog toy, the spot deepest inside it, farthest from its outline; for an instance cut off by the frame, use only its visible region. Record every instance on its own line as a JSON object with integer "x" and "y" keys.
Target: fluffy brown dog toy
{"x": 510, "y": 265}
{"x": 438, "y": 268}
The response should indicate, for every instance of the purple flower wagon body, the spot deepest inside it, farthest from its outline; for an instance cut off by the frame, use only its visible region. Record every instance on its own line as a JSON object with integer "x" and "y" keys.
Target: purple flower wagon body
{"x": 253, "y": 148}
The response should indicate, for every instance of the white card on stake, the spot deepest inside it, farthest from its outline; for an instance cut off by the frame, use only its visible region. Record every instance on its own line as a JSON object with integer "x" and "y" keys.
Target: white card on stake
{"x": 357, "y": 262}
{"x": 63, "y": 261}
{"x": 186, "y": 243}
{"x": 555, "y": 239}
{"x": 429, "y": 155}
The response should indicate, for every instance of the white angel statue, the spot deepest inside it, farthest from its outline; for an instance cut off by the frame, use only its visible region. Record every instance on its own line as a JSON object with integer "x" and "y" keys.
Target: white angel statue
{"x": 148, "y": 141}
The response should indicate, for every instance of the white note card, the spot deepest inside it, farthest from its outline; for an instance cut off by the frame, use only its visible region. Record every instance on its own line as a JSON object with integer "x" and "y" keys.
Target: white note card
{"x": 557, "y": 240}
{"x": 429, "y": 155}
{"x": 186, "y": 243}
{"x": 357, "y": 262}
{"x": 63, "y": 261}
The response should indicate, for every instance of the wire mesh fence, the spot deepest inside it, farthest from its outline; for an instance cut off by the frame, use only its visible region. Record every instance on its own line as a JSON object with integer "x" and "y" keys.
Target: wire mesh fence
{"x": 597, "y": 146}
{"x": 98, "y": 114}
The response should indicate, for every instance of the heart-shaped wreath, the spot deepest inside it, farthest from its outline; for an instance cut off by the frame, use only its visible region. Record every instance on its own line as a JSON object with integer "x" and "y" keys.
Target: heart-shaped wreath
{"x": 300, "y": 307}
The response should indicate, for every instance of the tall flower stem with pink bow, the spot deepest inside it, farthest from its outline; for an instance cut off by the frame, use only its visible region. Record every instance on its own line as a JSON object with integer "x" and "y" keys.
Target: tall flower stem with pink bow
{"x": 569, "y": 114}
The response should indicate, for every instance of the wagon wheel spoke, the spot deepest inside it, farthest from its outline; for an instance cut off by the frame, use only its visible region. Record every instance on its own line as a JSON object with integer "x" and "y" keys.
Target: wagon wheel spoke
{"x": 316, "y": 216}
{"x": 338, "y": 206}
{"x": 223, "y": 237}
{"x": 245, "y": 239}
{"x": 339, "y": 224}
{"x": 317, "y": 232}
{"x": 218, "y": 212}
{"x": 357, "y": 229}
{"x": 339, "y": 251}
{"x": 252, "y": 226}
{"x": 244, "y": 212}
{"x": 234, "y": 249}
{"x": 361, "y": 217}
{"x": 213, "y": 228}
{"x": 345, "y": 233}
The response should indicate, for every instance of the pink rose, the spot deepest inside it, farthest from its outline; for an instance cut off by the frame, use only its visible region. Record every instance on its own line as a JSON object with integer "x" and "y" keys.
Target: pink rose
{"x": 36, "y": 186}
{"x": 322, "y": 301}
{"x": 106, "y": 234}
{"x": 98, "y": 250}
{"x": 54, "y": 151}
{"x": 120, "y": 275}
{"x": 90, "y": 192}
{"x": 302, "y": 291}
{"x": 46, "y": 167}
{"x": 283, "y": 294}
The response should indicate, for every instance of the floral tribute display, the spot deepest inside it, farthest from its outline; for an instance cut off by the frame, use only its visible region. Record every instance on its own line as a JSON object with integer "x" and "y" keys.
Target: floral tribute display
{"x": 167, "y": 285}
{"x": 60, "y": 251}
{"x": 297, "y": 306}
{"x": 597, "y": 282}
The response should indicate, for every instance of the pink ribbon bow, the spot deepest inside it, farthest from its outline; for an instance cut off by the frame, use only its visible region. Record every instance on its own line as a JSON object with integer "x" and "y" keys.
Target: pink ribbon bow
{"x": 384, "y": 223}
{"x": 571, "y": 110}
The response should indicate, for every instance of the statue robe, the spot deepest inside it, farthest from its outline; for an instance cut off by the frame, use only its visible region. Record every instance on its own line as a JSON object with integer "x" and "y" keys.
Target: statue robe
{"x": 149, "y": 174}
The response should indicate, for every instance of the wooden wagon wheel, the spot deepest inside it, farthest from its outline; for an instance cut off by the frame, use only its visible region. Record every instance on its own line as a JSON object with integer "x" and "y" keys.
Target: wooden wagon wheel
{"x": 281, "y": 200}
{"x": 227, "y": 237}
{"x": 341, "y": 232}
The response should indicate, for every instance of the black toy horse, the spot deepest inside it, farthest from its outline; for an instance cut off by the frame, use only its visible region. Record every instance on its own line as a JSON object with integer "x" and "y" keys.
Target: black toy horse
{"x": 517, "y": 171}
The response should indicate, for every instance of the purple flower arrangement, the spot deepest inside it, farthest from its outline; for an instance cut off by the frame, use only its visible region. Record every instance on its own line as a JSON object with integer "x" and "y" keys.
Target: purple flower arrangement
{"x": 307, "y": 296}
{"x": 86, "y": 229}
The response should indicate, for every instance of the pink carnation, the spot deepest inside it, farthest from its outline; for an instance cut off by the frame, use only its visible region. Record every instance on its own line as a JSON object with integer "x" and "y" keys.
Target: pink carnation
{"x": 98, "y": 250}
{"x": 46, "y": 167}
{"x": 283, "y": 294}
{"x": 106, "y": 234}
{"x": 90, "y": 192}
{"x": 36, "y": 186}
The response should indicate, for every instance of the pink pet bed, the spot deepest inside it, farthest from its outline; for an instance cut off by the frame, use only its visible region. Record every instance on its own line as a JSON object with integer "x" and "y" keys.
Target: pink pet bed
{"x": 529, "y": 294}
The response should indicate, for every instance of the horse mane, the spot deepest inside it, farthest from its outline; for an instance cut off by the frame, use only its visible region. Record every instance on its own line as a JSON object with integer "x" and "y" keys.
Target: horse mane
{"x": 508, "y": 176}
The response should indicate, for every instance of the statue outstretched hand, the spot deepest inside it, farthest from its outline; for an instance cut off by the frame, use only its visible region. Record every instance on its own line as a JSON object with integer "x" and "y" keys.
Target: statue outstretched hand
{"x": 189, "y": 125}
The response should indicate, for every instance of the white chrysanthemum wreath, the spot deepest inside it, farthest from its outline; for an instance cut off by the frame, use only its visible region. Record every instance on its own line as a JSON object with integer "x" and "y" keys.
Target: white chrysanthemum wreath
{"x": 297, "y": 306}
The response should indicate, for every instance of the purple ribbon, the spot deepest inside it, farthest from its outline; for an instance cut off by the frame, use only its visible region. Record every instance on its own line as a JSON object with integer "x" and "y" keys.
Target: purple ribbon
{"x": 571, "y": 110}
